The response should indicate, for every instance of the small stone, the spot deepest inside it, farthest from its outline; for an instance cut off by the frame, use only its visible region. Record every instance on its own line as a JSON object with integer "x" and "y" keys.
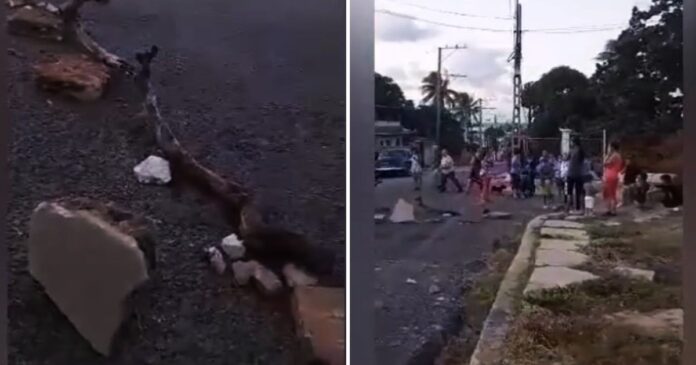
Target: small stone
{"x": 216, "y": 260}
{"x": 266, "y": 280}
{"x": 497, "y": 215}
{"x": 295, "y": 276}
{"x": 434, "y": 289}
{"x": 635, "y": 273}
{"x": 411, "y": 281}
{"x": 153, "y": 170}
{"x": 233, "y": 247}
{"x": 34, "y": 21}
{"x": 243, "y": 271}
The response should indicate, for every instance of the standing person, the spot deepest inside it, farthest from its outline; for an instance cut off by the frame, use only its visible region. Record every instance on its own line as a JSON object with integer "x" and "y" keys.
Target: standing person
{"x": 416, "y": 170}
{"x": 475, "y": 173}
{"x": 613, "y": 166}
{"x": 447, "y": 172}
{"x": 562, "y": 177}
{"x": 545, "y": 169}
{"x": 516, "y": 173}
{"x": 487, "y": 163}
{"x": 576, "y": 172}
{"x": 533, "y": 163}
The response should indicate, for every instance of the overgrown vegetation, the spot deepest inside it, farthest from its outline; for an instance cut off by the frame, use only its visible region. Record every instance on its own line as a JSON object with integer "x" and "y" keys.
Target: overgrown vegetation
{"x": 570, "y": 325}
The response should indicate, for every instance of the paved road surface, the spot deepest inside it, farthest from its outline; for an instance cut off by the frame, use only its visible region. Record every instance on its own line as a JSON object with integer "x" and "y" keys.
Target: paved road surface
{"x": 440, "y": 257}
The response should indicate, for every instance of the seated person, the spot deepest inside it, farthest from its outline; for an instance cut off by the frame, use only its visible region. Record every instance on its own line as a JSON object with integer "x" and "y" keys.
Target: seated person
{"x": 639, "y": 191}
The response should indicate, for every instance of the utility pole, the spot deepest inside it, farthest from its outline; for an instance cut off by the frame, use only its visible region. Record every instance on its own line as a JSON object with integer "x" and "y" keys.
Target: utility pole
{"x": 517, "y": 77}
{"x": 438, "y": 90}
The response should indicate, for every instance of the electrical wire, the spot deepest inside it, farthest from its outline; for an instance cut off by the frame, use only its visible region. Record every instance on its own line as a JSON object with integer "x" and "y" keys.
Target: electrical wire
{"x": 442, "y": 11}
{"x": 565, "y": 30}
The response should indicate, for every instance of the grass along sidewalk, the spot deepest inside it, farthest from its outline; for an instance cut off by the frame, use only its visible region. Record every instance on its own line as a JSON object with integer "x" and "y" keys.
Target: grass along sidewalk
{"x": 617, "y": 319}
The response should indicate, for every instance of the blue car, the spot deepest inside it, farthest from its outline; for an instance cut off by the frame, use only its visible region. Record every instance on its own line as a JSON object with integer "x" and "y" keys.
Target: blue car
{"x": 391, "y": 163}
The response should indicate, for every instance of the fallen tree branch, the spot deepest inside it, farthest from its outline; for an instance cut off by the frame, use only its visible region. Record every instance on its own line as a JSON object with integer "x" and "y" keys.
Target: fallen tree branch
{"x": 273, "y": 245}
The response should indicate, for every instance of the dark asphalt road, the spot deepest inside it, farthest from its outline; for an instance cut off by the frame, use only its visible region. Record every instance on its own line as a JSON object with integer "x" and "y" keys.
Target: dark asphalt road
{"x": 410, "y": 316}
{"x": 255, "y": 90}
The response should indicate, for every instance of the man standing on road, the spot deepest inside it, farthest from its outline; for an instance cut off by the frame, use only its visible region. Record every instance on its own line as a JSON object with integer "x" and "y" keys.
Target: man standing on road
{"x": 447, "y": 172}
{"x": 416, "y": 170}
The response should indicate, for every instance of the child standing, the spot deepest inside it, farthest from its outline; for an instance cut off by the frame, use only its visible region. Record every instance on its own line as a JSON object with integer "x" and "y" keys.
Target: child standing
{"x": 545, "y": 170}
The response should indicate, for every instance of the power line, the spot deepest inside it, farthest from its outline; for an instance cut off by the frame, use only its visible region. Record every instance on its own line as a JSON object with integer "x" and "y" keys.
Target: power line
{"x": 567, "y": 30}
{"x": 443, "y": 11}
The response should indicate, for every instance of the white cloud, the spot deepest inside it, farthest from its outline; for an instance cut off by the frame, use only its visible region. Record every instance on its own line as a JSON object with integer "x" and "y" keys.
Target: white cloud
{"x": 392, "y": 29}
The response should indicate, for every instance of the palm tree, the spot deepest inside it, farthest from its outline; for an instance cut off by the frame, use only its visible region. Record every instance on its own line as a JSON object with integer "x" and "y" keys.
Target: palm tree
{"x": 429, "y": 90}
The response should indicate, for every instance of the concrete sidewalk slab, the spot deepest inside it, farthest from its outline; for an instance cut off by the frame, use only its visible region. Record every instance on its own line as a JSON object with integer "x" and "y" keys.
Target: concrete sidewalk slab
{"x": 556, "y": 277}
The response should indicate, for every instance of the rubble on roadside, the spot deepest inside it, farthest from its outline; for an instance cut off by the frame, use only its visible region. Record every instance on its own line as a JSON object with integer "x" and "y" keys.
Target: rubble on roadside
{"x": 153, "y": 170}
{"x": 34, "y": 21}
{"x": 91, "y": 290}
{"x": 76, "y": 76}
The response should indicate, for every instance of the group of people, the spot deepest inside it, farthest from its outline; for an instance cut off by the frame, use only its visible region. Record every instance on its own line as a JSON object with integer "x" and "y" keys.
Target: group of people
{"x": 568, "y": 177}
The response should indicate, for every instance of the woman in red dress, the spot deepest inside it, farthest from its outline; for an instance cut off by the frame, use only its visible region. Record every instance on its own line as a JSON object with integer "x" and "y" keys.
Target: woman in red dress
{"x": 613, "y": 166}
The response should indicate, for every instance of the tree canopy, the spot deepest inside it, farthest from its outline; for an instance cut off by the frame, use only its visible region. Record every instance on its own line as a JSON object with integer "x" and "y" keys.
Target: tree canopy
{"x": 635, "y": 89}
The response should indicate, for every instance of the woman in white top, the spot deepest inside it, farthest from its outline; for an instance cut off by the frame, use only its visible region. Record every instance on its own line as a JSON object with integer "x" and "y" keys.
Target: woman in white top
{"x": 416, "y": 171}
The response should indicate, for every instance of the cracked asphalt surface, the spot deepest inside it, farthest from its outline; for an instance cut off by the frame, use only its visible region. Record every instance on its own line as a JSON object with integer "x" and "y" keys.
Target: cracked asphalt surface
{"x": 422, "y": 269}
{"x": 256, "y": 91}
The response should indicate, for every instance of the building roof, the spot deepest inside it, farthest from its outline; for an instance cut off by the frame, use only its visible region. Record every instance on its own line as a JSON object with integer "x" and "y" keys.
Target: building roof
{"x": 390, "y": 128}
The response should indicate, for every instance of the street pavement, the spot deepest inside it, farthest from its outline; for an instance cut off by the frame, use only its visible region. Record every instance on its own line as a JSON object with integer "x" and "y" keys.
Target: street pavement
{"x": 422, "y": 268}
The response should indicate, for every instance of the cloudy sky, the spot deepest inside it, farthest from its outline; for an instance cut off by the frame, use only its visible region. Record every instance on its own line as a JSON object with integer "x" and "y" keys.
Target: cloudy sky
{"x": 406, "y": 49}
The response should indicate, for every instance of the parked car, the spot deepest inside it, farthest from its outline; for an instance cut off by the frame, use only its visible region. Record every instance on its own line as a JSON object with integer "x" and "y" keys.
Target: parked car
{"x": 395, "y": 162}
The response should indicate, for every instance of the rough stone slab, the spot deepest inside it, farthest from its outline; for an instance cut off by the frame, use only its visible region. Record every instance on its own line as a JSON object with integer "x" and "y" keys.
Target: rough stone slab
{"x": 74, "y": 75}
{"x": 659, "y": 323}
{"x": 563, "y": 224}
{"x": 563, "y": 233}
{"x": 570, "y": 245}
{"x": 320, "y": 317}
{"x": 560, "y": 257}
{"x": 233, "y": 247}
{"x": 552, "y": 276}
{"x": 294, "y": 276}
{"x": 635, "y": 273}
{"x": 402, "y": 213}
{"x": 87, "y": 266}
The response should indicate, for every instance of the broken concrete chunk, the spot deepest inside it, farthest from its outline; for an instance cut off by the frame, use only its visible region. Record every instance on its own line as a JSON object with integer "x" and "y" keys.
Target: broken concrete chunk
{"x": 563, "y": 224}
{"x": 216, "y": 260}
{"x": 665, "y": 322}
{"x": 402, "y": 212}
{"x": 73, "y": 75}
{"x": 497, "y": 215}
{"x": 295, "y": 276}
{"x": 243, "y": 271}
{"x": 34, "y": 21}
{"x": 560, "y": 257}
{"x": 153, "y": 170}
{"x": 87, "y": 266}
{"x": 266, "y": 280}
{"x": 233, "y": 247}
{"x": 565, "y": 233}
{"x": 320, "y": 317}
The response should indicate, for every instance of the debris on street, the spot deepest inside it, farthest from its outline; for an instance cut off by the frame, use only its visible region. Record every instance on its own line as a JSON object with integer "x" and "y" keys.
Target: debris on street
{"x": 73, "y": 75}
{"x": 233, "y": 247}
{"x": 153, "y": 170}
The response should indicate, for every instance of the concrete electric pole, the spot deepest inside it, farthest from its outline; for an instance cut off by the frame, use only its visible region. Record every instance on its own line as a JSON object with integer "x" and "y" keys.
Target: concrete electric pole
{"x": 438, "y": 90}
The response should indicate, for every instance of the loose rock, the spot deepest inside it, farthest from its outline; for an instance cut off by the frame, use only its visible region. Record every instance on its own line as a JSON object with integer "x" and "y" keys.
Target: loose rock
{"x": 243, "y": 271}
{"x": 635, "y": 273}
{"x": 294, "y": 276}
{"x": 266, "y": 280}
{"x": 434, "y": 289}
{"x": 73, "y": 75}
{"x": 315, "y": 310}
{"x": 216, "y": 260}
{"x": 34, "y": 21}
{"x": 153, "y": 170}
{"x": 91, "y": 290}
{"x": 233, "y": 247}
{"x": 402, "y": 212}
